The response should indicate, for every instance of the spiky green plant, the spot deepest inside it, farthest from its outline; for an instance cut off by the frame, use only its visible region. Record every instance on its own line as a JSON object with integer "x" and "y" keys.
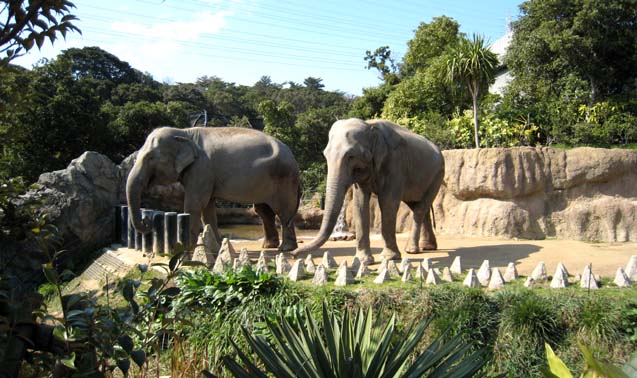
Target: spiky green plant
{"x": 353, "y": 346}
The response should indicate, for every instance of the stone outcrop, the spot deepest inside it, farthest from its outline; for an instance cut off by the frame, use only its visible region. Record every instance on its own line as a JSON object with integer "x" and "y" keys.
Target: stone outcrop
{"x": 80, "y": 201}
{"x": 534, "y": 193}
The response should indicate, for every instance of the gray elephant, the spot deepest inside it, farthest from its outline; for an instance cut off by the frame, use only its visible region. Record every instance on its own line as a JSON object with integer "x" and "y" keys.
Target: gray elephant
{"x": 234, "y": 164}
{"x": 380, "y": 157}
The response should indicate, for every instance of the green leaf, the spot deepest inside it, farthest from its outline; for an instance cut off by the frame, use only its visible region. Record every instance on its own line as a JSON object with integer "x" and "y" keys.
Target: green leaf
{"x": 50, "y": 274}
{"x": 69, "y": 361}
{"x": 174, "y": 261}
{"x": 556, "y": 365}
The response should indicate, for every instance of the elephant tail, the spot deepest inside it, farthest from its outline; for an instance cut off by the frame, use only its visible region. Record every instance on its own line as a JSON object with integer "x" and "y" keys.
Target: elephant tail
{"x": 433, "y": 217}
{"x": 299, "y": 193}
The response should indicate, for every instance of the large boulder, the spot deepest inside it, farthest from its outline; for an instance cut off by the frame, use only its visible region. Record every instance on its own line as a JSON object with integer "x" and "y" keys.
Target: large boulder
{"x": 80, "y": 200}
{"x": 534, "y": 193}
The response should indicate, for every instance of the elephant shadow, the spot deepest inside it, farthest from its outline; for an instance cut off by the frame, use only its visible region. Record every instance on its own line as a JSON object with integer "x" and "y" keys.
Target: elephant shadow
{"x": 498, "y": 255}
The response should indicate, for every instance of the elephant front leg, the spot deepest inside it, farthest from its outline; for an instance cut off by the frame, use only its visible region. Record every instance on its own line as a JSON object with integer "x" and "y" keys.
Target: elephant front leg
{"x": 194, "y": 209}
{"x": 388, "y": 209}
{"x": 361, "y": 221}
{"x": 271, "y": 239}
{"x": 210, "y": 217}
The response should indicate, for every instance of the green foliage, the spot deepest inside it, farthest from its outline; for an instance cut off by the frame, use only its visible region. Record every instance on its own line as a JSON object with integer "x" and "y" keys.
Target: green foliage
{"x": 594, "y": 367}
{"x": 354, "y": 346}
{"x": 203, "y": 290}
{"x": 430, "y": 41}
{"x": 29, "y": 24}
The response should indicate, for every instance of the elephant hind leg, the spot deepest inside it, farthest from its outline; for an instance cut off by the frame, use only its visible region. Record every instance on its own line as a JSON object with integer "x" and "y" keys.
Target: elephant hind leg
{"x": 271, "y": 239}
{"x": 419, "y": 214}
{"x": 428, "y": 240}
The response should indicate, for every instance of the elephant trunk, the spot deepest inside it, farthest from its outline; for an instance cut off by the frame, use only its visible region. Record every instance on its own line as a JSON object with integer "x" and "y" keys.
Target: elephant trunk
{"x": 335, "y": 195}
{"x": 135, "y": 184}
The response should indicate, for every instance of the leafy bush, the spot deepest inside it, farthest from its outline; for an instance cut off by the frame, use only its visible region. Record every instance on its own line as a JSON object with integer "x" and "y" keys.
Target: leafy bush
{"x": 203, "y": 289}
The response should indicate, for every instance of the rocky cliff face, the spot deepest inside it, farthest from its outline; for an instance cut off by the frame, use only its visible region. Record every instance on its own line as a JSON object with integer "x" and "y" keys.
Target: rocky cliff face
{"x": 534, "y": 193}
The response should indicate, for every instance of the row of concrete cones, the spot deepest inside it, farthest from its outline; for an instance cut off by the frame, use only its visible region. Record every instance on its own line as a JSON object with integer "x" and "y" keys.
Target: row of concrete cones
{"x": 346, "y": 274}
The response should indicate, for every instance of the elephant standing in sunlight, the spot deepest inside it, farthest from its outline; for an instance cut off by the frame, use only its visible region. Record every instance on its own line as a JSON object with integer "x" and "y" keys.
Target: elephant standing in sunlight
{"x": 380, "y": 157}
{"x": 229, "y": 163}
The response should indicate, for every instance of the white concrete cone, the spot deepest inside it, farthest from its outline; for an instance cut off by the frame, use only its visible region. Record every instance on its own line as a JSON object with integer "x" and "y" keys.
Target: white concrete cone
{"x": 392, "y": 269}
{"x": 244, "y": 257}
{"x": 446, "y": 274}
{"x": 426, "y": 264}
{"x": 363, "y": 271}
{"x": 282, "y": 265}
{"x": 228, "y": 250}
{"x": 539, "y": 273}
{"x": 320, "y": 276}
{"x": 404, "y": 264}
{"x": 588, "y": 280}
{"x": 383, "y": 276}
{"x": 631, "y": 268}
{"x": 407, "y": 274}
{"x": 456, "y": 267}
{"x": 220, "y": 265}
{"x": 530, "y": 282}
{"x": 421, "y": 272}
{"x": 511, "y": 274}
{"x": 496, "y": 281}
{"x": 560, "y": 279}
{"x": 471, "y": 280}
{"x": 343, "y": 275}
{"x": 621, "y": 278}
{"x": 484, "y": 273}
{"x": 563, "y": 267}
{"x": 328, "y": 261}
{"x": 297, "y": 272}
{"x": 309, "y": 265}
{"x": 356, "y": 264}
{"x": 262, "y": 264}
{"x": 432, "y": 278}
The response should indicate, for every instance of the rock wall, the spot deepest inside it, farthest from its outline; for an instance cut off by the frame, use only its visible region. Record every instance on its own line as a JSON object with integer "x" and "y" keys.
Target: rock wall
{"x": 534, "y": 193}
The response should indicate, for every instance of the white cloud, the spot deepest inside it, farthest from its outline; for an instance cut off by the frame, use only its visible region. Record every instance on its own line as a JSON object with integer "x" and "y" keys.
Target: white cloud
{"x": 203, "y": 23}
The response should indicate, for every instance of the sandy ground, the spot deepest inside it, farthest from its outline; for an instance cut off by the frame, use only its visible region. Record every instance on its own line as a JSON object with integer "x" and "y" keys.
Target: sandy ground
{"x": 526, "y": 254}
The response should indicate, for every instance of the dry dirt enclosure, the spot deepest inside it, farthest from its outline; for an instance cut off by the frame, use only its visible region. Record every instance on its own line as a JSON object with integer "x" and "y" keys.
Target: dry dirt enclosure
{"x": 526, "y": 254}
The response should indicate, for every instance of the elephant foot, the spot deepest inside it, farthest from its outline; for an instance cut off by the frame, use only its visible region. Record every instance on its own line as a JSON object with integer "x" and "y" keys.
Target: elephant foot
{"x": 365, "y": 257}
{"x": 412, "y": 250}
{"x": 388, "y": 254}
{"x": 287, "y": 246}
{"x": 428, "y": 246}
{"x": 270, "y": 243}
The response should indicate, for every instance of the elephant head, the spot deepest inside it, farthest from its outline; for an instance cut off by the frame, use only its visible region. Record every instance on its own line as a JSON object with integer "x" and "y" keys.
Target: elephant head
{"x": 355, "y": 153}
{"x": 166, "y": 153}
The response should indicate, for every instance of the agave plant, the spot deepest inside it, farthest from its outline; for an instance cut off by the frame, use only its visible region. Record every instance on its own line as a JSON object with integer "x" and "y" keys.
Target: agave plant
{"x": 353, "y": 346}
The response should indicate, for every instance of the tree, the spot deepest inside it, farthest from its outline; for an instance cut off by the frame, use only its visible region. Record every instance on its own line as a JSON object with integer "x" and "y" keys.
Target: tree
{"x": 382, "y": 60}
{"x": 596, "y": 40}
{"x": 429, "y": 42}
{"x": 472, "y": 63}
{"x": 30, "y": 23}
{"x": 313, "y": 83}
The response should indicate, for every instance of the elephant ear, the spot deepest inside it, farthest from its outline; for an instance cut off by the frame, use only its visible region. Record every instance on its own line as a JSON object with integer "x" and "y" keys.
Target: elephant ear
{"x": 384, "y": 140}
{"x": 186, "y": 154}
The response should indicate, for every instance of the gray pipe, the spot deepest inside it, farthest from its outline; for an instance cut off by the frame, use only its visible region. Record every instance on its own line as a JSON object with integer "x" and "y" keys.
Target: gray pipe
{"x": 158, "y": 233}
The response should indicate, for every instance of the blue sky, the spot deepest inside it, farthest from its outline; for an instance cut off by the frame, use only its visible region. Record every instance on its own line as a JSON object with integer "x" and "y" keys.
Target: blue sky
{"x": 241, "y": 40}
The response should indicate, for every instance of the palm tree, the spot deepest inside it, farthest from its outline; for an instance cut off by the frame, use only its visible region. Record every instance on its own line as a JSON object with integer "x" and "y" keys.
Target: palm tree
{"x": 472, "y": 63}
